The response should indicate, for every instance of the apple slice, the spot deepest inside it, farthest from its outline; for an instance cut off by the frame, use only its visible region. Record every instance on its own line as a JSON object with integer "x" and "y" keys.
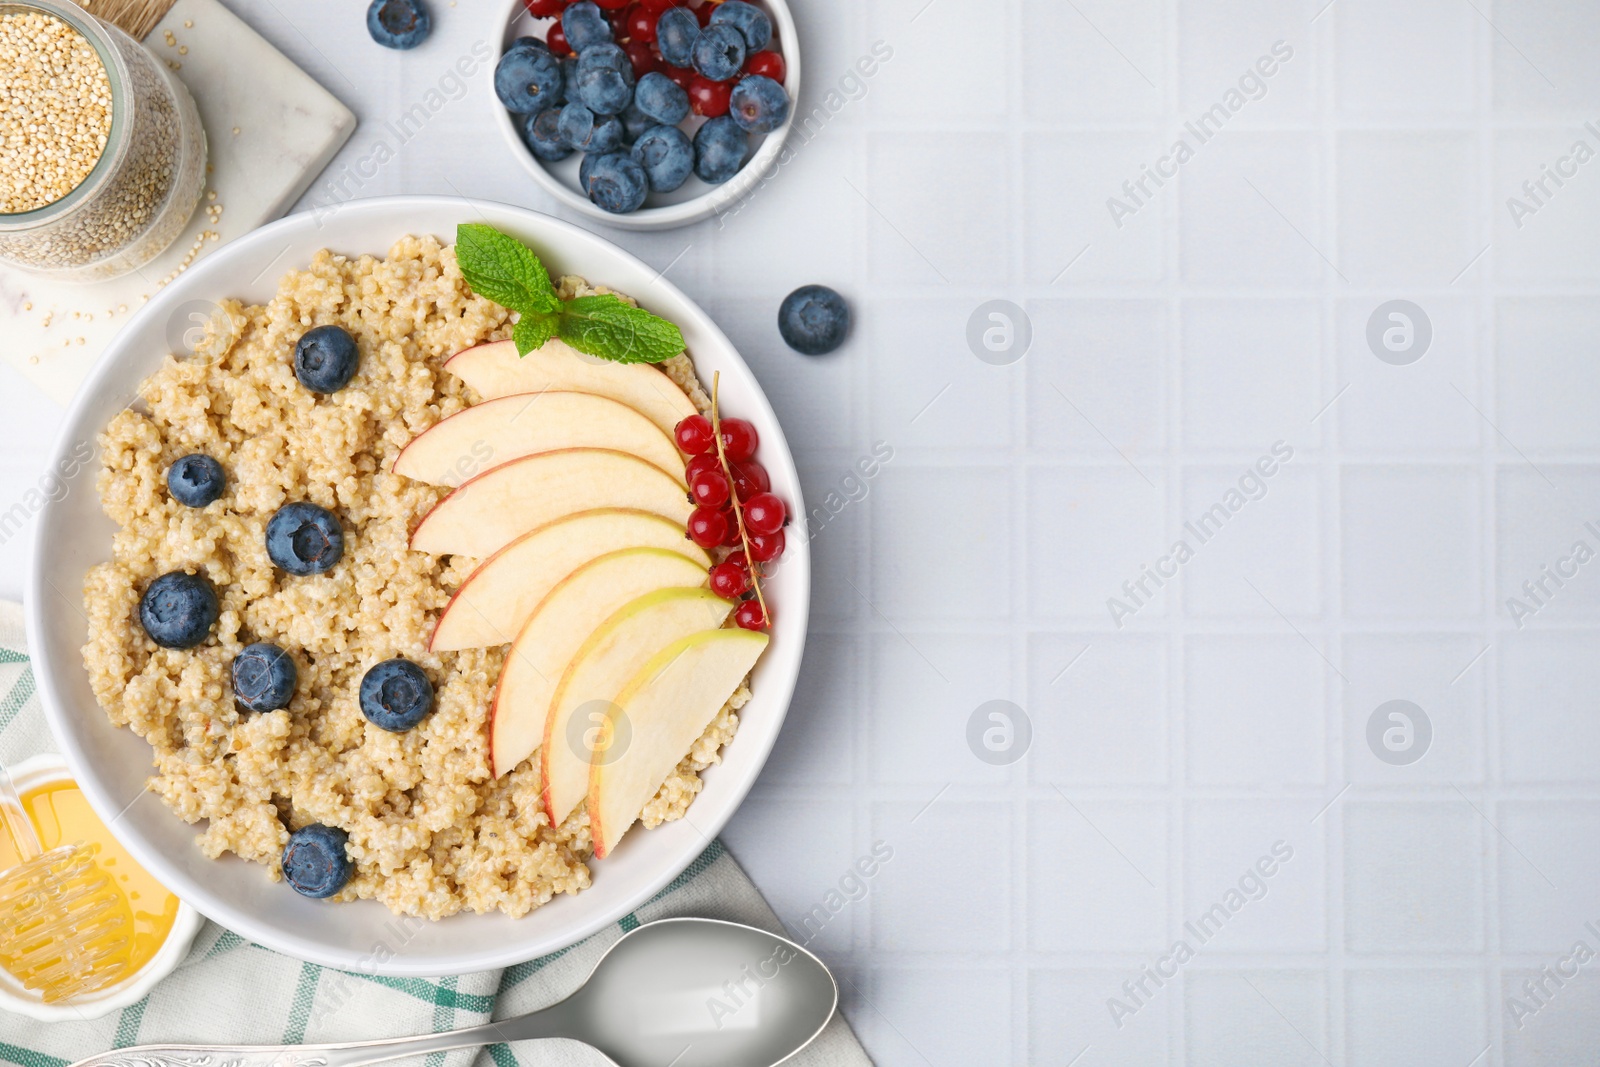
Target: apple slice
{"x": 510, "y": 427}
{"x": 495, "y": 369}
{"x": 608, "y": 658}
{"x": 486, "y": 513}
{"x": 557, "y": 629}
{"x": 668, "y": 705}
{"x": 495, "y": 601}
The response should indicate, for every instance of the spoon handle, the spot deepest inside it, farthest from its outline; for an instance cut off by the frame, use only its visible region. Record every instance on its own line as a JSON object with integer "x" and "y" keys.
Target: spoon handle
{"x": 348, "y": 1054}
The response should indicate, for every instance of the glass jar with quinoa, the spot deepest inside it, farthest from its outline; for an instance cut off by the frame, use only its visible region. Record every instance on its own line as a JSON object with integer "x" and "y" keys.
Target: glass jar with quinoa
{"x": 102, "y": 155}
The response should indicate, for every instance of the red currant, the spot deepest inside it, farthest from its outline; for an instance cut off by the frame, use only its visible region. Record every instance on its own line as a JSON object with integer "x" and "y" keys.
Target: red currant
{"x": 556, "y": 38}
{"x": 708, "y": 527}
{"x": 641, "y": 23}
{"x": 618, "y": 21}
{"x": 642, "y": 56}
{"x": 750, "y": 478}
{"x": 694, "y": 435}
{"x": 697, "y": 466}
{"x": 764, "y": 514}
{"x": 544, "y": 9}
{"x": 770, "y": 64}
{"x": 682, "y": 77}
{"x": 656, "y": 7}
{"x": 729, "y": 580}
{"x": 703, "y": 13}
{"x": 709, "y": 98}
{"x": 610, "y": 5}
{"x": 739, "y": 439}
{"x": 709, "y": 489}
{"x": 766, "y": 547}
{"x": 737, "y": 558}
{"x": 750, "y": 616}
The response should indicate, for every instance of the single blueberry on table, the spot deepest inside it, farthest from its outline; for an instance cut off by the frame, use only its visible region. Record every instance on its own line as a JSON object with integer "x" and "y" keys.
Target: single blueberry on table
{"x": 719, "y": 52}
{"x": 396, "y": 695}
{"x": 676, "y": 31}
{"x": 666, "y": 155}
{"x": 304, "y": 539}
{"x": 325, "y": 359}
{"x": 604, "y": 91}
{"x": 719, "y": 148}
{"x": 661, "y": 98}
{"x": 528, "y": 80}
{"x": 813, "y": 320}
{"x": 617, "y": 183}
{"x": 399, "y": 24}
{"x": 751, "y": 22}
{"x": 196, "y": 480}
{"x": 264, "y": 677}
{"x": 584, "y": 25}
{"x": 758, "y": 104}
{"x": 542, "y": 134}
{"x": 179, "y": 609}
{"x": 315, "y": 863}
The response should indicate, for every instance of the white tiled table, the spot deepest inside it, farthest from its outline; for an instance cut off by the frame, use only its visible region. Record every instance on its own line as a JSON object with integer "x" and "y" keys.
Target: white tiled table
{"x": 1230, "y": 712}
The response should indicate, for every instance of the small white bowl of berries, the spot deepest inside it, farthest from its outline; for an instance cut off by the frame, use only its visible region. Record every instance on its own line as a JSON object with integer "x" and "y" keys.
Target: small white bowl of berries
{"x": 647, "y": 114}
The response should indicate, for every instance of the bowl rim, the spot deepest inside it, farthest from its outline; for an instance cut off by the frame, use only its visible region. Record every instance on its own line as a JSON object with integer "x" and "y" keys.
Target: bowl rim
{"x": 778, "y": 687}
{"x": 712, "y": 202}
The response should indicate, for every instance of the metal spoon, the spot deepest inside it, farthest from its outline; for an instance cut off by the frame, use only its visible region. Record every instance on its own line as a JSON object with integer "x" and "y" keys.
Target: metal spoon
{"x": 672, "y": 993}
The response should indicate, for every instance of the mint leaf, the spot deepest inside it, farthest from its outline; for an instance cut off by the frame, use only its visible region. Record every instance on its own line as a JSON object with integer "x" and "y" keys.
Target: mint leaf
{"x": 533, "y": 330}
{"x": 504, "y": 270}
{"x": 604, "y": 326}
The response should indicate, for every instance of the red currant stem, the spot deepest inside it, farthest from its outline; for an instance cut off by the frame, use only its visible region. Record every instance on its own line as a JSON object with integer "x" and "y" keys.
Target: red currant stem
{"x": 733, "y": 495}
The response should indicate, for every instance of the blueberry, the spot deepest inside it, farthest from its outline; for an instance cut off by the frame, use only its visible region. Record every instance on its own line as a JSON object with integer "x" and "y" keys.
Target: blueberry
{"x": 676, "y": 31}
{"x": 617, "y": 183}
{"x": 751, "y": 22}
{"x": 666, "y": 156}
{"x": 758, "y": 104}
{"x": 315, "y": 863}
{"x": 608, "y": 56}
{"x": 263, "y": 677}
{"x": 179, "y": 609}
{"x": 396, "y": 695}
{"x": 304, "y": 539}
{"x": 587, "y": 166}
{"x": 719, "y": 52}
{"x": 325, "y": 359}
{"x": 661, "y": 98}
{"x": 196, "y": 480}
{"x": 528, "y": 43}
{"x": 634, "y": 121}
{"x": 399, "y": 23}
{"x": 719, "y": 148}
{"x": 584, "y": 25}
{"x": 542, "y": 134}
{"x": 813, "y": 320}
{"x": 603, "y": 90}
{"x": 582, "y": 129}
{"x": 528, "y": 80}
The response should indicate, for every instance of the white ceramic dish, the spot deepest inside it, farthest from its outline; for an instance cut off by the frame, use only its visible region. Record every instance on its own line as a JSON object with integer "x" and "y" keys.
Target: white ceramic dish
{"x": 14, "y": 996}
{"x": 111, "y": 765}
{"x": 694, "y": 200}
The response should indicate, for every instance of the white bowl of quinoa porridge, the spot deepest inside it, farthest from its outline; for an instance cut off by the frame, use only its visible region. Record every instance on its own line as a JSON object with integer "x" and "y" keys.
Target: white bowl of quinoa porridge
{"x": 205, "y": 795}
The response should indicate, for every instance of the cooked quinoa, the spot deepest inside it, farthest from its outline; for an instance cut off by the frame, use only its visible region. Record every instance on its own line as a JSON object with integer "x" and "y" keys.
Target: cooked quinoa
{"x": 430, "y": 832}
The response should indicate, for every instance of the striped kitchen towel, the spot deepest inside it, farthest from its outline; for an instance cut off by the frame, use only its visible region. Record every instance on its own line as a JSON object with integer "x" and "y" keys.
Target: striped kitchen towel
{"x": 230, "y": 991}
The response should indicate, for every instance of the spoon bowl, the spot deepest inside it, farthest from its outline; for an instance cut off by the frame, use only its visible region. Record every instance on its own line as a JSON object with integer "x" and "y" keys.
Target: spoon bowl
{"x": 703, "y": 993}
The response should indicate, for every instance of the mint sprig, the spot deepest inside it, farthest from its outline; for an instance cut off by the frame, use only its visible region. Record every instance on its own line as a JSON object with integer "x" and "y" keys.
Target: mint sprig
{"x": 503, "y": 269}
